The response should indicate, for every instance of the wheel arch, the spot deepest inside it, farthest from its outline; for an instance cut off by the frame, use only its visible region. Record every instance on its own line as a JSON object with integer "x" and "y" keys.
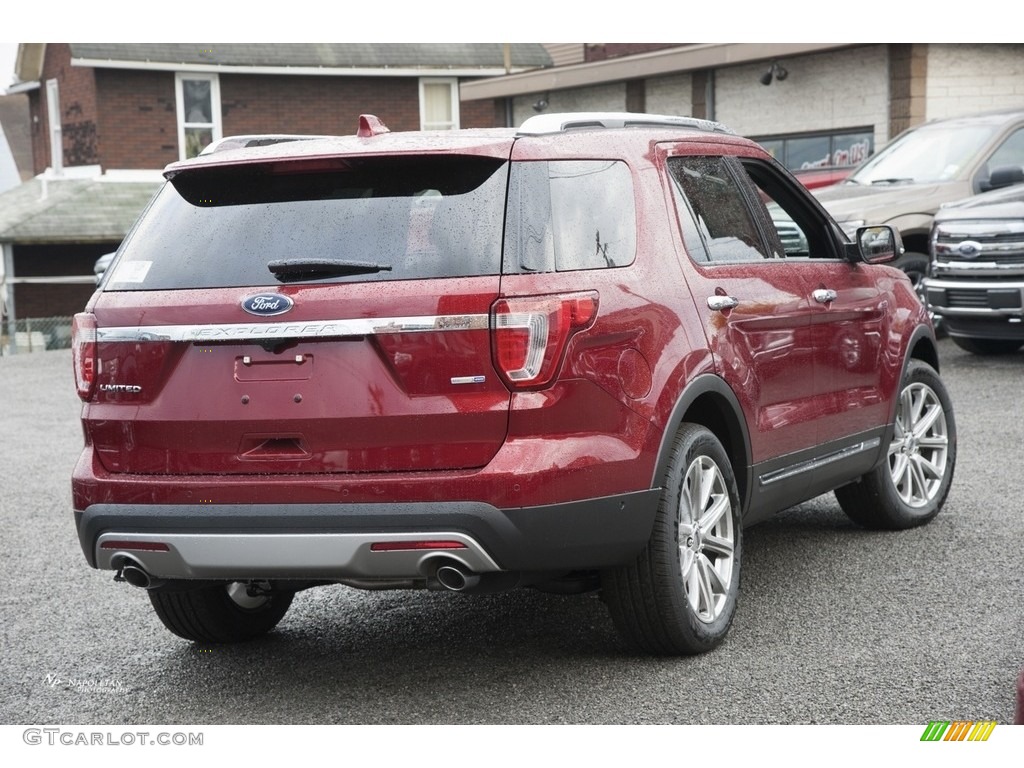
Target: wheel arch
{"x": 922, "y": 347}
{"x": 709, "y": 402}
{"x": 915, "y": 241}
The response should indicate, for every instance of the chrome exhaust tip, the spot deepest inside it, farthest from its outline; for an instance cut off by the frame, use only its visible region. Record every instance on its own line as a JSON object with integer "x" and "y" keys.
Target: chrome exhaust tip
{"x": 455, "y": 578}
{"x": 133, "y": 573}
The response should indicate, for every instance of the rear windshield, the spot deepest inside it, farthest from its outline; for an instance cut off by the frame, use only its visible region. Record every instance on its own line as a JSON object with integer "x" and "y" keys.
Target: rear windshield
{"x": 387, "y": 218}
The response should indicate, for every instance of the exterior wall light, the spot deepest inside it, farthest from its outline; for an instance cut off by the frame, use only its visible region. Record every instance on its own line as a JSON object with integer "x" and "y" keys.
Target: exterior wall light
{"x": 777, "y": 71}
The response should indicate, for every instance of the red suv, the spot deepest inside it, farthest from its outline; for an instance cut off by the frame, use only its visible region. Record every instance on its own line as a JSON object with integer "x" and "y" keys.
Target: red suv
{"x": 575, "y": 356}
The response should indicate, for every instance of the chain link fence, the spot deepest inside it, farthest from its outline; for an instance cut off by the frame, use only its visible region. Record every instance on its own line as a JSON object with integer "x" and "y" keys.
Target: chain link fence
{"x": 35, "y": 334}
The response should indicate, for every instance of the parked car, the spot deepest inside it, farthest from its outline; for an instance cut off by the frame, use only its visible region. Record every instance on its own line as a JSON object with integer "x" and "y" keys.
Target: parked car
{"x": 976, "y": 284}
{"x": 577, "y": 357}
{"x": 905, "y": 182}
{"x": 816, "y": 178}
{"x": 100, "y": 267}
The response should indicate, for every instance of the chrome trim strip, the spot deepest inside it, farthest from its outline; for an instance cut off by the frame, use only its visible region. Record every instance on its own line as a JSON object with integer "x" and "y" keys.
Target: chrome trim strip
{"x": 952, "y": 250}
{"x": 974, "y": 285}
{"x": 978, "y": 312}
{"x": 957, "y": 230}
{"x": 968, "y": 266}
{"x": 313, "y": 329}
{"x": 237, "y": 556}
{"x": 806, "y": 466}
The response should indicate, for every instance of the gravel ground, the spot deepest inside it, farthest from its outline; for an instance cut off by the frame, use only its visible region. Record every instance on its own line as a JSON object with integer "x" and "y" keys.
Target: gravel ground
{"x": 836, "y": 624}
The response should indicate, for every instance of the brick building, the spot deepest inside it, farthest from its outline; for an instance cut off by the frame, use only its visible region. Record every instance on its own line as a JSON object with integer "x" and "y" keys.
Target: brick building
{"x": 146, "y": 105}
{"x": 106, "y": 118}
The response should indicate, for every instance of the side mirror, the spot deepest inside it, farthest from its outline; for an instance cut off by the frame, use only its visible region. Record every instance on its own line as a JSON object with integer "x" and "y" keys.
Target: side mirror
{"x": 876, "y": 245}
{"x": 1005, "y": 176}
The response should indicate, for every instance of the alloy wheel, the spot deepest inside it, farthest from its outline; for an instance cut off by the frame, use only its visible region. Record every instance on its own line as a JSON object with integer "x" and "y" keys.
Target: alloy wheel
{"x": 707, "y": 539}
{"x": 917, "y": 453}
{"x": 249, "y": 599}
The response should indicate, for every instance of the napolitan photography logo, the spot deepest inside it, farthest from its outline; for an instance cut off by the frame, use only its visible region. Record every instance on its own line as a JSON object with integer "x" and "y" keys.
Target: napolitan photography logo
{"x": 98, "y": 685}
{"x": 958, "y": 730}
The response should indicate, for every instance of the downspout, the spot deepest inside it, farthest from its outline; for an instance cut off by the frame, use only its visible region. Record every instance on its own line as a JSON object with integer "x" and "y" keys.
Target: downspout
{"x": 709, "y": 94}
{"x": 7, "y": 297}
{"x": 53, "y": 118}
{"x": 507, "y": 51}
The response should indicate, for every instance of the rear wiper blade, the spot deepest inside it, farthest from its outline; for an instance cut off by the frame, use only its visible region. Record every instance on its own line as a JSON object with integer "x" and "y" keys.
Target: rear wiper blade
{"x": 310, "y": 269}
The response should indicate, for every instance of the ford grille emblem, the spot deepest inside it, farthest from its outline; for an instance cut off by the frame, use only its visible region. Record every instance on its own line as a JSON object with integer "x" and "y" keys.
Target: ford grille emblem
{"x": 267, "y": 304}
{"x": 969, "y": 249}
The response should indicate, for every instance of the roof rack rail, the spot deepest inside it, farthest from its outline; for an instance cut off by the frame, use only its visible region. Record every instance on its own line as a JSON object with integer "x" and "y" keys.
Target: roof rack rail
{"x": 569, "y": 121}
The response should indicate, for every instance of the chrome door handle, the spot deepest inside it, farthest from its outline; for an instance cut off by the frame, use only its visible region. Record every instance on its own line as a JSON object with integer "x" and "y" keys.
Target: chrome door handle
{"x": 722, "y": 303}
{"x": 825, "y": 295}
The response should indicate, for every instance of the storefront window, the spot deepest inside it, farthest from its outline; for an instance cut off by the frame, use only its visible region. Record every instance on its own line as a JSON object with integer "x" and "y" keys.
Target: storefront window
{"x": 821, "y": 150}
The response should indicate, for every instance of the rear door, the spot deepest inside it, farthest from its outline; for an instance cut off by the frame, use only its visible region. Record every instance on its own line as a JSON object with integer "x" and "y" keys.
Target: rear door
{"x": 756, "y": 309}
{"x": 306, "y": 317}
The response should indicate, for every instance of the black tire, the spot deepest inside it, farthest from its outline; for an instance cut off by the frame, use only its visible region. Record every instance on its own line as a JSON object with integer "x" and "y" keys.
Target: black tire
{"x": 909, "y": 488}
{"x": 915, "y": 265}
{"x": 680, "y": 595}
{"x": 987, "y": 346}
{"x": 222, "y": 613}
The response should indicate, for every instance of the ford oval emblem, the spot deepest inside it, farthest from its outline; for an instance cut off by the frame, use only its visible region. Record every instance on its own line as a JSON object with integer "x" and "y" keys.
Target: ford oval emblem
{"x": 969, "y": 249}
{"x": 267, "y": 304}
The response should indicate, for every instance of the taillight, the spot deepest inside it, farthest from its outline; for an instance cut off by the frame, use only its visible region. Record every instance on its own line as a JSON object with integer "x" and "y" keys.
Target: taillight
{"x": 530, "y": 334}
{"x": 83, "y": 351}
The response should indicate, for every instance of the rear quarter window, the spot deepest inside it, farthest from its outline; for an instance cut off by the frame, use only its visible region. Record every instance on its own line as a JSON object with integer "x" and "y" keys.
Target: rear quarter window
{"x": 566, "y": 215}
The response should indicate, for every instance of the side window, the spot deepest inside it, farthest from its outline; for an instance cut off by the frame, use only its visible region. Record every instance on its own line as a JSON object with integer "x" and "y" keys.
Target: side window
{"x": 801, "y": 230}
{"x": 567, "y": 215}
{"x": 1010, "y": 152}
{"x": 725, "y": 225}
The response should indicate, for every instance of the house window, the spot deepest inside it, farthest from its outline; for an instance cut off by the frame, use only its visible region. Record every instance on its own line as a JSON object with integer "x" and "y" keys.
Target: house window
{"x": 439, "y": 104}
{"x": 199, "y": 121}
{"x": 54, "y": 120}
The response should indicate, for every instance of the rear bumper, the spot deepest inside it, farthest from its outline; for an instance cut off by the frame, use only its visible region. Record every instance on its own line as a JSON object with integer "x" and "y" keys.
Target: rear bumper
{"x": 335, "y": 541}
